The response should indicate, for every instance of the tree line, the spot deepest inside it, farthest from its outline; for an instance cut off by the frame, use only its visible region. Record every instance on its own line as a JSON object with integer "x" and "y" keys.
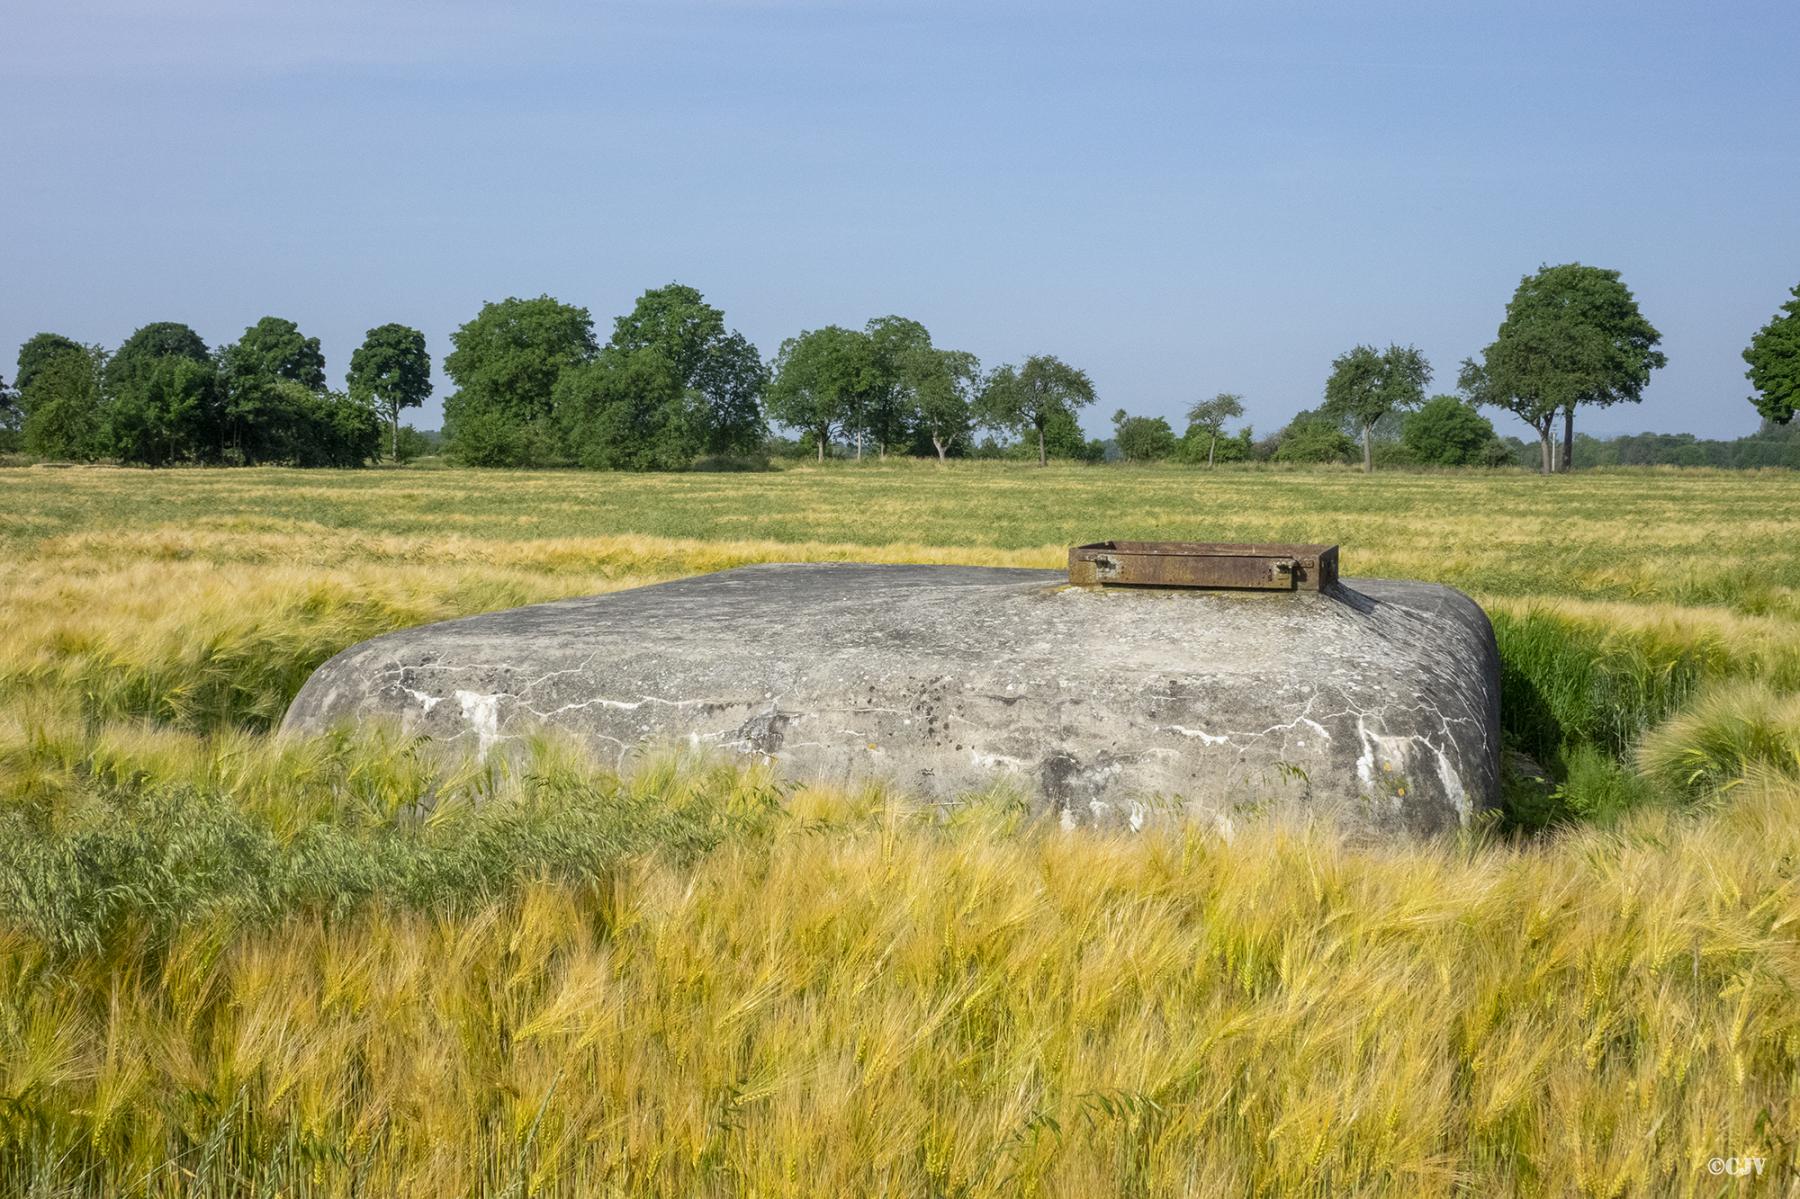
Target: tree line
{"x": 162, "y": 397}
{"x": 673, "y": 385}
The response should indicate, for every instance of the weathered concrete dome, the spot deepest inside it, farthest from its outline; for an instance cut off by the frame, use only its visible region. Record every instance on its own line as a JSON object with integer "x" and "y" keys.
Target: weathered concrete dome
{"x": 1375, "y": 700}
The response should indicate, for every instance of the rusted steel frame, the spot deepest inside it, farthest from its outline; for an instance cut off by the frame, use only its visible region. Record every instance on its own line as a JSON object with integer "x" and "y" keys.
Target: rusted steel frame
{"x": 1271, "y": 567}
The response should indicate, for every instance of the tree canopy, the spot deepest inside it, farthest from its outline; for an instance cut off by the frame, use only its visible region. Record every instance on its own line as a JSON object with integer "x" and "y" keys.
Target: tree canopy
{"x": 1367, "y": 384}
{"x": 161, "y": 401}
{"x": 1028, "y": 397}
{"x": 62, "y": 404}
{"x": 1445, "y": 431}
{"x": 506, "y": 360}
{"x": 717, "y": 368}
{"x": 628, "y": 411}
{"x": 944, "y": 385}
{"x": 1209, "y": 417}
{"x": 820, "y": 379}
{"x": 1572, "y": 335}
{"x": 131, "y": 364}
{"x": 1313, "y": 437}
{"x": 38, "y": 350}
{"x": 1774, "y": 358}
{"x": 895, "y": 346}
{"x": 1143, "y": 438}
{"x": 391, "y": 371}
{"x": 275, "y": 348}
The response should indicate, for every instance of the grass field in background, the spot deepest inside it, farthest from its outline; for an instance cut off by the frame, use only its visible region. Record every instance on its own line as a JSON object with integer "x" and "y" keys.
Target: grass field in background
{"x": 232, "y": 964}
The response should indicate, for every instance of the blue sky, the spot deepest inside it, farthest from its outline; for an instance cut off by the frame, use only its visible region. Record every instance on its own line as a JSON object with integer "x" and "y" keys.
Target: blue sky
{"x": 1182, "y": 198}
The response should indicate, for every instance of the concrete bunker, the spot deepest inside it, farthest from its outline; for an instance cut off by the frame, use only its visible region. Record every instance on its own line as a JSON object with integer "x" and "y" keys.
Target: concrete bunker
{"x": 1210, "y": 680}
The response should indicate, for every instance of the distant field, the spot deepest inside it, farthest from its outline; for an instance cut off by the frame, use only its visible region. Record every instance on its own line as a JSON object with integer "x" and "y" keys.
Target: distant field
{"x": 239, "y": 965}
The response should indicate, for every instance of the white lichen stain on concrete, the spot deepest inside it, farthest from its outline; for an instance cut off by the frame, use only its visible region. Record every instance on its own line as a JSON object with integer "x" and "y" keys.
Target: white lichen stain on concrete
{"x": 483, "y": 714}
{"x": 425, "y": 702}
{"x": 1202, "y": 734}
{"x": 1380, "y": 750}
{"x": 1453, "y": 787}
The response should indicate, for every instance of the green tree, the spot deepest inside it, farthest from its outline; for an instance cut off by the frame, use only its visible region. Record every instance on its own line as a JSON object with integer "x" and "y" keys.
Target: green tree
{"x": 944, "y": 385}
{"x": 38, "y": 350}
{"x": 1063, "y": 439}
{"x": 1445, "y": 431}
{"x": 1313, "y": 437}
{"x": 628, "y": 411}
{"x": 895, "y": 345}
{"x": 275, "y": 348}
{"x": 1143, "y": 438}
{"x": 10, "y": 417}
{"x": 506, "y": 362}
{"x": 391, "y": 370}
{"x": 180, "y": 420}
{"x": 1367, "y": 384}
{"x": 1209, "y": 417}
{"x": 717, "y": 367}
{"x": 63, "y": 405}
{"x": 146, "y": 347}
{"x": 1572, "y": 335}
{"x": 263, "y": 376}
{"x": 171, "y": 417}
{"x": 1028, "y": 397}
{"x": 328, "y": 428}
{"x": 820, "y": 381}
{"x": 1774, "y": 358}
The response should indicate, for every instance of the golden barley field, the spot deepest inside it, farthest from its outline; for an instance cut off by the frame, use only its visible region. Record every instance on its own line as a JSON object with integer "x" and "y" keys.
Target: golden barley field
{"x": 233, "y": 964}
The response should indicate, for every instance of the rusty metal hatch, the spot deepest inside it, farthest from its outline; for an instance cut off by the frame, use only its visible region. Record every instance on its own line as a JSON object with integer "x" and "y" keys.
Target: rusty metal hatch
{"x": 1203, "y": 564}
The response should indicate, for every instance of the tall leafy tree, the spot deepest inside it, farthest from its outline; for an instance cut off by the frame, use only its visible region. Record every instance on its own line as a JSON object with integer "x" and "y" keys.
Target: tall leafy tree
{"x": 895, "y": 344}
{"x": 716, "y": 366}
{"x": 628, "y": 411}
{"x": 1774, "y": 358}
{"x": 63, "y": 405}
{"x": 171, "y": 417}
{"x": 38, "y": 350}
{"x": 506, "y": 360}
{"x": 132, "y": 363}
{"x": 275, "y": 348}
{"x": 1209, "y": 416}
{"x": 391, "y": 370}
{"x": 1028, "y": 397}
{"x": 262, "y": 375}
{"x": 149, "y": 416}
{"x": 1572, "y": 335}
{"x": 1367, "y": 384}
{"x": 944, "y": 385}
{"x": 820, "y": 380}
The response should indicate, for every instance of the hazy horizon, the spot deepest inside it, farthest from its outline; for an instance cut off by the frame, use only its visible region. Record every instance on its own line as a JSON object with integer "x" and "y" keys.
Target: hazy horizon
{"x": 1180, "y": 200}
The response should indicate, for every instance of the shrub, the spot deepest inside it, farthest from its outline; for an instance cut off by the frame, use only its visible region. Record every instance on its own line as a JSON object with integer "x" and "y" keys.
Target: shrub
{"x": 1313, "y": 438}
{"x": 1143, "y": 438}
{"x": 489, "y": 438}
{"x": 1447, "y": 432}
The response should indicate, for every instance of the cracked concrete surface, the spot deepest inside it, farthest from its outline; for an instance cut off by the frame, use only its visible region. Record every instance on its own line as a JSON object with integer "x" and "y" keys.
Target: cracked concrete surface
{"x": 1377, "y": 702}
